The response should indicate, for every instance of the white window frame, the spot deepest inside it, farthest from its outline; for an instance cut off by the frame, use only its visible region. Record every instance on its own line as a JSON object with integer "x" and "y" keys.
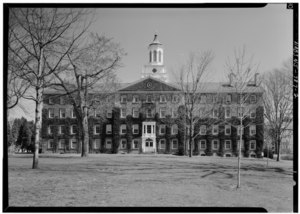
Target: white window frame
{"x": 50, "y": 146}
{"x": 226, "y": 115}
{"x": 164, "y": 140}
{"x": 49, "y": 129}
{"x": 226, "y": 144}
{"x": 73, "y": 115}
{"x": 147, "y": 98}
{"x": 147, "y": 113}
{"x": 135, "y": 127}
{"x": 107, "y": 129}
{"x": 133, "y": 112}
{"x": 228, "y": 99}
{"x": 109, "y": 113}
{"x": 123, "y": 113}
{"x": 121, "y": 143}
{"x": 106, "y": 144}
{"x": 238, "y": 144}
{"x": 239, "y": 131}
{"x": 252, "y": 128}
{"x": 160, "y": 112}
{"x": 252, "y": 141}
{"x": 253, "y": 98}
{"x": 135, "y": 140}
{"x": 253, "y": 111}
{"x": 201, "y": 130}
{"x": 72, "y": 129}
{"x": 95, "y": 146}
{"x": 61, "y": 110}
{"x": 51, "y": 113}
{"x": 227, "y": 127}
{"x": 218, "y": 144}
{"x": 135, "y": 99}
{"x": 217, "y": 111}
{"x": 176, "y": 140}
{"x": 174, "y": 113}
{"x": 123, "y": 99}
{"x": 95, "y": 129}
{"x": 174, "y": 127}
{"x": 71, "y": 143}
{"x": 215, "y": 127}
{"x": 201, "y": 144}
{"x": 161, "y": 128}
{"x": 162, "y": 98}
{"x": 122, "y": 129}
{"x": 60, "y": 143}
{"x": 60, "y": 129}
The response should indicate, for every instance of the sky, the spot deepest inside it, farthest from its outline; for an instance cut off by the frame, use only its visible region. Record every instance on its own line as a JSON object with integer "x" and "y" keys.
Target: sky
{"x": 266, "y": 32}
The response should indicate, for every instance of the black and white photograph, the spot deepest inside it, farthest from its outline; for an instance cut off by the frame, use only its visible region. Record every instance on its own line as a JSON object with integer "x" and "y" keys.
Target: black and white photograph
{"x": 150, "y": 107}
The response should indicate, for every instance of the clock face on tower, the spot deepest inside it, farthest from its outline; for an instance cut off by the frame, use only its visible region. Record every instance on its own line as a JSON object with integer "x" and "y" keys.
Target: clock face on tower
{"x": 154, "y": 70}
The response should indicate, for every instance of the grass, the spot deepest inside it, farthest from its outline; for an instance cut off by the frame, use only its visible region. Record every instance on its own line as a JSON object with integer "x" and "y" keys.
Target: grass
{"x": 149, "y": 180}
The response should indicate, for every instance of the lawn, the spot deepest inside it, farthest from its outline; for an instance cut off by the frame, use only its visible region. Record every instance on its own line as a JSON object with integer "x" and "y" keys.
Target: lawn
{"x": 149, "y": 180}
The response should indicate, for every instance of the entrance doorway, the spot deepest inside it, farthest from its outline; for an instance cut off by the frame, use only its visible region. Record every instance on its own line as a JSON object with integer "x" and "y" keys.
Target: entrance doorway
{"x": 149, "y": 145}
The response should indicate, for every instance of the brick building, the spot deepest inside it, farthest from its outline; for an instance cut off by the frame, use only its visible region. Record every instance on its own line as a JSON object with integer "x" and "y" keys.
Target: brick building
{"x": 144, "y": 117}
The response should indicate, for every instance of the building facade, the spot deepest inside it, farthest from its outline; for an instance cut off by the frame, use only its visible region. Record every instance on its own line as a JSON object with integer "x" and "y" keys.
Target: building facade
{"x": 145, "y": 117}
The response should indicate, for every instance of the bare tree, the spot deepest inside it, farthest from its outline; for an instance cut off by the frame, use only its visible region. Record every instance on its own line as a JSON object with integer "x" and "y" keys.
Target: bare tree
{"x": 190, "y": 80}
{"x": 44, "y": 37}
{"x": 91, "y": 76}
{"x": 242, "y": 75}
{"x": 278, "y": 102}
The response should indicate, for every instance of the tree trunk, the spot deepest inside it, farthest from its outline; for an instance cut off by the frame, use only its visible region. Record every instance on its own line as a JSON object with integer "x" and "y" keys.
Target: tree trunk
{"x": 85, "y": 131}
{"x": 38, "y": 125}
{"x": 278, "y": 148}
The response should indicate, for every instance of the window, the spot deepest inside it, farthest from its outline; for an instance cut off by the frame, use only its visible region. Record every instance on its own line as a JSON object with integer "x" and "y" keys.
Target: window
{"x": 149, "y": 113}
{"x": 252, "y": 113}
{"x": 203, "y": 99}
{"x": 109, "y": 113}
{"x": 174, "y": 129}
{"x": 50, "y": 144}
{"x": 148, "y": 127}
{"x": 174, "y": 144}
{"x": 162, "y": 129}
{"x": 73, "y": 143}
{"x": 175, "y": 99}
{"x": 73, "y": 129}
{"x": 149, "y": 99}
{"x": 50, "y": 129}
{"x": 252, "y": 130}
{"x": 108, "y": 143}
{"x": 61, "y": 129}
{"x": 202, "y": 112}
{"x": 123, "y": 129}
{"x": 162, "y": 99}
{"x": 240, "y": 111}
{"x": 123, "y": 113}
{"x": 62, "y": 100}
{"x": 135, "y": 113}
{"x": 135, "y": 99}
{"x": 174, "y": 113}
{"x": 253, "y": 98}
{"x": 73, "y": 115}
{"x": 96, "y": 129}
{"x": 155, "y": 57}
{"x": 108, "y": 129}
{"x": 97, "y": 113}
{"x": 227, "y": 144}
{"x": 62, "y": 113}
{"x": 227, "y": 130}
{"x": 238, "y": 144}
{"x": 215, "y": 129}
{"x": 202, "y": 144}
{"x": 215, "y": 113}
{"x": 51, "y": 100}
{"x": 215, "y": 144}
{"x": 228, "y": 99}
{"x": 96, "y": 143}
{"x": 123, "y": 98}
{"x": 162, "y": 143}
{"x": 123, "y": 144}
{"x": 150, "y": 56}
{"x": 61, "y": 144}
{"x": 135, "y": 144}
{"x": 239, "y": 131}
{"x": 252, "y": 144}
{"x": 203, "y": 130}
{"x": 135, "y": 128}
{"x": 162, "y": 112}
{"x": 227, "y": 112}
{"x": 159, "y": 56}
{"x": 51, "y": 113}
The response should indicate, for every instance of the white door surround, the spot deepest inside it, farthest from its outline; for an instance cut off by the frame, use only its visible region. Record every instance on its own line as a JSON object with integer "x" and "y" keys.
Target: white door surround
{"x": 149, "y": 137}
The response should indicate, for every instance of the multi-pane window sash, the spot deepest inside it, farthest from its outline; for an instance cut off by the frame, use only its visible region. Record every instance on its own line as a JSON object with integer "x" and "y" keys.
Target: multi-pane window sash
{"x": 50, "y": 129}
{"x": 227, "y": 130}
{"x": 215, "y": 129}
{"x": 227, "y": 112}
{"x": 162, "y": 129}
{"x": 109, "y": 113}
{"x": 203, "y": 130}
{"x": 174, "y": 113}
{"x": 73, "y": 129}
{"x": 239, "y": 130}
{"x": 61, "y": 129}
{"x": 227, "y": 144}
{"x": 162, "y": 143}
{"x": 174, "y": 144}
{"x": 50, "y": 144}
{"x": 123, "y": 143}
{"x": 61, "y": 144}
{"x": 108, "y": 129}
{"x": 135, "y": 99}
{"x": 135, "y": 113}
{"x": 174, "y": 129}
{"x": 51, "y": 113}
{"x": 215, "y": 144}
{"x": 123, "y": 99}
{"x": 123, "y": 129}
{"x": 202, "y": 144}
{"x": 135, "y": 144}
{"x": 149, "y": 99}
{"x": 123, "y": 113}
{"x": 252, "y": 144}
{"x": 135, "y": 128}
{"x": 96, "y": 143}
{"x": 238, "y": 144}
{"x": 252, "y": 113}
{"x": 73, "y": 115}
{"x": 73, "y": 143}
{"x": 149, "y": 113}
{"x": 97, "y": 129}
{"x": 162, "y": 113}
{"x": 108, "y": 143}
{"x": 252, "y": 98}
{"x": 252, "y": 130}
{"x": 162, "y": 99}
{"x": 62, "y": 113}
